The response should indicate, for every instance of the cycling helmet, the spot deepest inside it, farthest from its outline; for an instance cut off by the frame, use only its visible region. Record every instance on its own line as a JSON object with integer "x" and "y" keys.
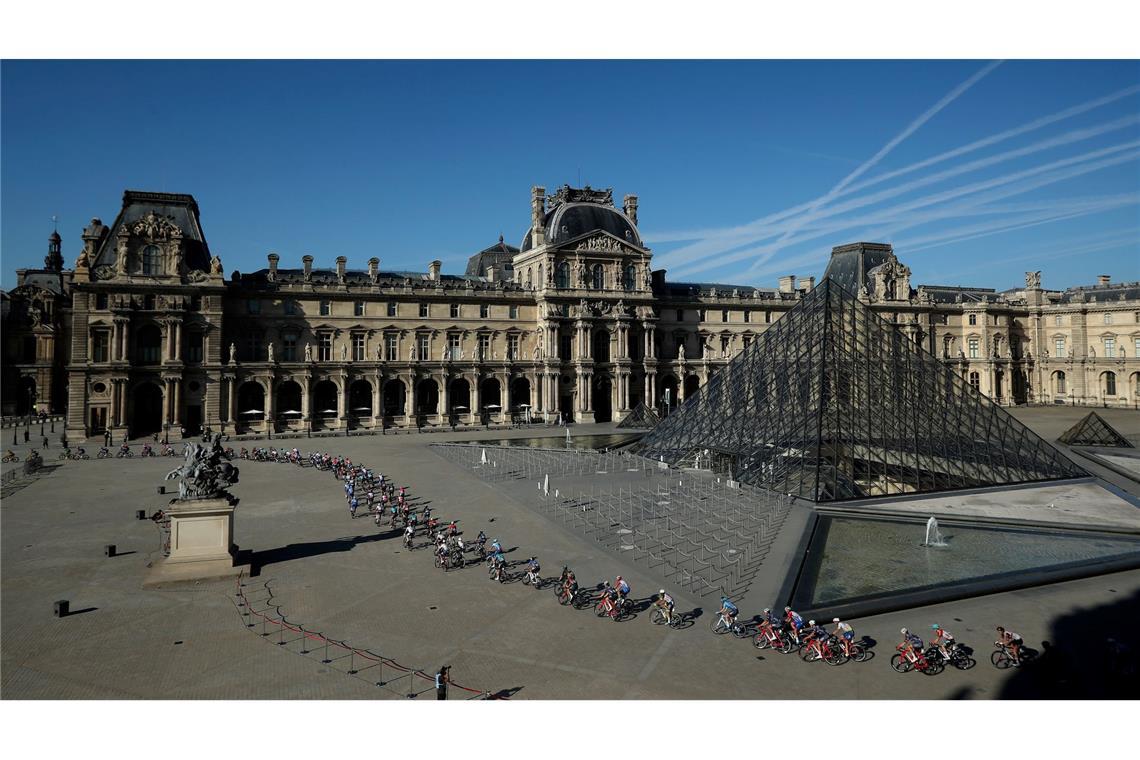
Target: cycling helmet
{"x": 835, "y": 620}
{"x": 935, "y": 627}
{"x": 618, "y": 578}
{"x": 787, "y": 609}
{"x": 662, "y": 592}
{"x": 903, "y": 632}
{"x": 767, "y": 610}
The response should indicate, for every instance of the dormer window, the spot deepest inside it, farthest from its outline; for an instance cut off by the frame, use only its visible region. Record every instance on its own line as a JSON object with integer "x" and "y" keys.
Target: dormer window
{"x": 151, "y": 260}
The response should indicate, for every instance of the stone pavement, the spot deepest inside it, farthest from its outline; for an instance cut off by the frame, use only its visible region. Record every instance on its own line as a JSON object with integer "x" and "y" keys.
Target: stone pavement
{"x": 350, "y": 581}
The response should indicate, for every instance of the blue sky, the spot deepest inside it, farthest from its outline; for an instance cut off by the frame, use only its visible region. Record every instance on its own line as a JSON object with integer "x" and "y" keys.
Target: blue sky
{"x": 975, "y": 170}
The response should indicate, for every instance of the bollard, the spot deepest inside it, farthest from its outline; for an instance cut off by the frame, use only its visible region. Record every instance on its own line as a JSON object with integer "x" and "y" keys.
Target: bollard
{"x": 62, "y": 607}
{"x": 109, "y": 550}
{"x": 326, "y": 661}
{"x": 162, "y": 489}
{"x": 381, "y": 681}
{"x": 352, "y": 662}
{"x": 140, "y": 514}
{"x": 281, "y": 633}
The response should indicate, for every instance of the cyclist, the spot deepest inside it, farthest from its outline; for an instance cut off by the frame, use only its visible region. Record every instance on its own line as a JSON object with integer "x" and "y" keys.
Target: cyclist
{"x": 794, "y": 621}
{"x": 532, "y": 569}
{"x": 1011, "y": 641}
{"x": 409, "y": 532}
{"x": 814, "y": 637}
{"x": 770, "y": 620}
{"x": 845, "y": 633}
{"x": 943, "y": 639}
{"x": 452, "y": 529}
{"x": 352, "y": 506}
{"x": 910, "y": 646}
{"x": 569, "y": 584}
{"x": 666, "y": 604}
{"x": 621, "y": 588}
{"x": 608, "y": 597}
{"x": 9, "y": 455}
{"x": 496, "y": 547}
{"x": 728, "y": 610}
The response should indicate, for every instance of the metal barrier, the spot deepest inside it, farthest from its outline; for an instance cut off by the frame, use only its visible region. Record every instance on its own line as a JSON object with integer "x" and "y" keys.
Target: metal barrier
{"x": 315, "y": 641}
{"x": 703, "y": 533}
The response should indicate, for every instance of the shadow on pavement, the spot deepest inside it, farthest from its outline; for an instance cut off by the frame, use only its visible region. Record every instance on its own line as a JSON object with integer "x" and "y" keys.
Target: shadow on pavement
{"x": 1080, "y": 661}
{"x": 259, "y": 559}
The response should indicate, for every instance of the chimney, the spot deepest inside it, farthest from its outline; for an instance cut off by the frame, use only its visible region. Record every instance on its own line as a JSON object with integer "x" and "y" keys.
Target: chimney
{"x": 1103, "y": 280}
{"x": 788, "y": 284}
{"x": 307, "y": 260}
{"x": 340, "y": 263}
{"x": 629, "y": 206}
{"x": 537, "y": 216}
{"x": 273, "y": 259}
{"x": 373, "y": 268}
{"x": 807, "y": 283}
{"x": 433, "y": 270}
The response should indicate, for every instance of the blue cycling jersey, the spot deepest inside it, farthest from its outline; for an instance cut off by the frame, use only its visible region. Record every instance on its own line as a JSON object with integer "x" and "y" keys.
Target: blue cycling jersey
{"x": 730, "y": 606}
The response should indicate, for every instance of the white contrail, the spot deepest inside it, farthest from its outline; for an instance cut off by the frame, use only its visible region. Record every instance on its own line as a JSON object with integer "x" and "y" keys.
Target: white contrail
{"x": 1062, "y": 169}
{"x": 900, "y": 189}
{"x": 739, "y": 233}
{"x": 909, "y": 130}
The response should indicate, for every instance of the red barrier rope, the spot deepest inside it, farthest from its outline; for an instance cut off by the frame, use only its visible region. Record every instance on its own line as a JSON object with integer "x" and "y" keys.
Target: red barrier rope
{"x": 313, "y": 636}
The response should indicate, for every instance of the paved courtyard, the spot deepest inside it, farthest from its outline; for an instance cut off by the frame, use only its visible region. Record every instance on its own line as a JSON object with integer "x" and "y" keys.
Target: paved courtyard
{"x": 353, "y": 582}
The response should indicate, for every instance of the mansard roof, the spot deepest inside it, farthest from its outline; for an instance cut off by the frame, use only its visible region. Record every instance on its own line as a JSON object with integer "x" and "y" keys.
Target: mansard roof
{"x": 359, "y": 277}
{"x": 179, "y": 208}
{"x": 498, "y": 255}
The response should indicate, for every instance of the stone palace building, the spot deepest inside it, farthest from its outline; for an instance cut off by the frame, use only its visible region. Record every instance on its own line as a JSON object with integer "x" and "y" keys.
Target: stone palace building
{"x": 147, "y": 331}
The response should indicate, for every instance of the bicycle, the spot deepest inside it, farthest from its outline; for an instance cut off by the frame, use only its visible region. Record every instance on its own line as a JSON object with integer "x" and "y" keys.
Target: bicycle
{"x": 772, "y": 637}
{"x": 673, "y": 620}
{"x": 911, "y": 660}
{"x": 1002, "y": 658}
{"x": 531, "y": 579}
{"x": 855, "y": 651}
{"x": 723, "y": 625}
{"x": 103, "y": 453}
{"x": 617, "y": 611}
{"x": 826, "y": 649}
{"x": 958, "y": 657}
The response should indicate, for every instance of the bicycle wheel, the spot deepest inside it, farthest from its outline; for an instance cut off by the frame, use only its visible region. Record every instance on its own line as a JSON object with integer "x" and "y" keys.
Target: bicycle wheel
{"x": 783, "y": 645}
{"x": 963, "y": 662}
{"x": 901, "y": 664}
{"x": 582, "y": 601}
{"x": 1001, "y": 659}
{"x": 716, "y": 627}
{"x": 835, "y": 657}
{"x": 761, "y": 641}
{"x": 808, "y": 654}
{"x": 741, "y": 631}
{"x": 934, "y": 667}
{"x": 600, "y": 611}
{"x": 858, "y": 653}
{"x": 657, "y": 617}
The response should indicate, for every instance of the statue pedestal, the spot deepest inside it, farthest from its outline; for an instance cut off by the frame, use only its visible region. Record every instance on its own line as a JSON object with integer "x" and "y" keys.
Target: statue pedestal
{"x": 201, "y": 541}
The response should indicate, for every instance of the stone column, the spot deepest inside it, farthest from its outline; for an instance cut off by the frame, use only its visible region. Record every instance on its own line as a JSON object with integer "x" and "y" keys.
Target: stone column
{"x": 377, "y": 382}
{"x": 124, "y": 336}
{"x": 177, "y": 402}
{"x": 342, "y": 401}
{"x": 410, "y": 399}
{"x": 270, "y": 406}
{"x": 443, "y": 410}
{"x": 230, "y": 394}
{"x": 476, "y": 399}
{"x": 306, "y": 398}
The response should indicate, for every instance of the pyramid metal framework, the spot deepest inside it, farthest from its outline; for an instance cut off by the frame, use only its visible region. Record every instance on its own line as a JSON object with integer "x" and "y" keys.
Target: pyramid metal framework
{"x": 1094, "y": 431}
{"x": 834, "y": 403}
{"x": 641, "y": 417}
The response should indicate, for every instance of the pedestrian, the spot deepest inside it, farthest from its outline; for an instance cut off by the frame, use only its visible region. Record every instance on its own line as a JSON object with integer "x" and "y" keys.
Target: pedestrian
{"x": 25, "y": 435}
{"x": 63, "y": 440}
{"x": 442, "y": 679}
{"x": 45, "y": 442}
{"x": 107, "y": 439}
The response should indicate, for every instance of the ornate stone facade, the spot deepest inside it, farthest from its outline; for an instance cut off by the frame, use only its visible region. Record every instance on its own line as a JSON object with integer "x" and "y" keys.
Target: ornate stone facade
{"x": 574, "y": 322}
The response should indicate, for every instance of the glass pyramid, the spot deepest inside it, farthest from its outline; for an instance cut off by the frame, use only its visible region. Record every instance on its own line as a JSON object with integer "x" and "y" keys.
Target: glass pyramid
{"x": 1094, "y": 431}
{"x": 641, "y": 417}
{"x": 834, "y": 403}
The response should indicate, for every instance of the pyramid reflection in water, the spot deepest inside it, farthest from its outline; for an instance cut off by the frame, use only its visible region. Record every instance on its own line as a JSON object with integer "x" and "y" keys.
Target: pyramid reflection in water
{"x": 833, "y": 403}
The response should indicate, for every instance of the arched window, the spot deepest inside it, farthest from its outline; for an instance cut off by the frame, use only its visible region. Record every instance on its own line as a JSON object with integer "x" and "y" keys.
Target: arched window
{"x": 599, "y": 277}
{"x": 1059, "y": 383}
{"x": 529, "y": 281}
{"x": 1110, "y": 383}
{"x": 562, "y": 275}
{"x": 541, "y": 282}
{"x": 627, "y": 279}
{"x": 151, "y": 260}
